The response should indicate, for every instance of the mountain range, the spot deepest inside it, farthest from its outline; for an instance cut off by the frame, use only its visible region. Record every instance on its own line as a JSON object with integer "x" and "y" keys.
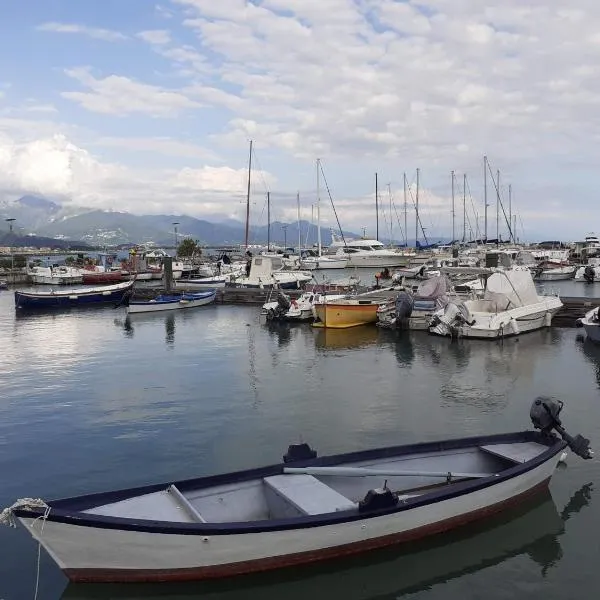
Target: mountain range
{"x": 40, "y": 220}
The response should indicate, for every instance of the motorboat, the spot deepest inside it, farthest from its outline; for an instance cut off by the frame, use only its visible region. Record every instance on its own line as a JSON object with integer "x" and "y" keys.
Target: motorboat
{"x": 548, "y": 271}
{"x": 304, "y": 509}
{"x": 591, "y": 323}
{"x": 365, "y": 253}
{"x": 312, "y": 260}
{"x": 510, "y": 305}
{"x": 59, "y": 275}
{"x": 284, "y": 308}
{"x": 267, "y": 272}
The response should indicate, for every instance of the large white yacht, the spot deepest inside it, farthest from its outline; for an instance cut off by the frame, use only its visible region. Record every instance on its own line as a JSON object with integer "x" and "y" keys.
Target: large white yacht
{"x": 592, "y": 245}
{"x": 365, "y": 253}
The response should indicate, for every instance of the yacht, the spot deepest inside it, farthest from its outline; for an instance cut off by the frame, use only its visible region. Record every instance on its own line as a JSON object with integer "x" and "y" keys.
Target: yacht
{"x": 592, "y": 245}
{"x": 365, "y": 253}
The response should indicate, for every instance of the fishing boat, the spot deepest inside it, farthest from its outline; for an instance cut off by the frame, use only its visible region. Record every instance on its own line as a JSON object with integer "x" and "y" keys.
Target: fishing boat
{"x": 510, "y": 306}
{"x": 172, "y": 302}
{"x": 59, "y": 275}
{"x": 106, "y": 294}
{"x": 591, "y": 323}
{"x": 303, "y": 510}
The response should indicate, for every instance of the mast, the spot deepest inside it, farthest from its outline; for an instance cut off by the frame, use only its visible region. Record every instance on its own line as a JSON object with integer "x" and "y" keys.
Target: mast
{"x": 464, "y": 208}
{"x": 498, "y": 207}
{"x": 417, "y": 211}
{"x": 511, "y": 233}
{"x": 268, "y": 221}
{"x": 453, "y": 213}
{"x": 299, "y": 232}
{"x": 318, "y": 207}
{"x": 376, "y": 209}
{"x": 485, "y": 202}
{"x": 391, "y": 220}
{"x": 248, "y": 193}
{"x": 405, "y": 213}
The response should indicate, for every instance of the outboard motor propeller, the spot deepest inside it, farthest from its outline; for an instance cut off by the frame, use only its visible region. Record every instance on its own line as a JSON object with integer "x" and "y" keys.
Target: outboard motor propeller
{"x": 545, "y": 416}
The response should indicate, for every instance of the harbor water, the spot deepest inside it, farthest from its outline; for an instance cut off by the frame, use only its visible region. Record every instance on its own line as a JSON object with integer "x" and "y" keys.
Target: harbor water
{"x": 91, "y": 400}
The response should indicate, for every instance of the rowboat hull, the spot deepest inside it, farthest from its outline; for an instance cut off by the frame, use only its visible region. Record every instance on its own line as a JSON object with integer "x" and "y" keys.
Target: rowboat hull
{"x": 77, "y": 297}
{"x": 340, "y": 315}
{"x": 93, "y": 540}
{"x": 186, "y": 301}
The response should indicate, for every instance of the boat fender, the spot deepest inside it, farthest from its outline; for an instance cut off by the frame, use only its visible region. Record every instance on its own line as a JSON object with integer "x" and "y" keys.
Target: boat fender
{"x": 297, "y": 452}
{"x": 378, "y": 499}
{"x": 578, "y": 323}
{"x": 547, "y": 319}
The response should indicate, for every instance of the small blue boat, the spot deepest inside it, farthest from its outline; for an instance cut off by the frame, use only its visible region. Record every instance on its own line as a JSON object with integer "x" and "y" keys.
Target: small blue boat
{"x": 172, "y": 302}
{"x": 106, "y": 294}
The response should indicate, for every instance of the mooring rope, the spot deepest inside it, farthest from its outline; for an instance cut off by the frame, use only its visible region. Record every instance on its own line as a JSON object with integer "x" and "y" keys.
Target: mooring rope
{"x": 7, "y": 516}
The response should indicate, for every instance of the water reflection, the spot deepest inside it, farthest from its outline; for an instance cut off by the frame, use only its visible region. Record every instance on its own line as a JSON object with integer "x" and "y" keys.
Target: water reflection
{"x": 533, "y": 530}
{"x": 591, "y": 351}
{"x": 130, "y": 323}
{"x": 352, "y": 337}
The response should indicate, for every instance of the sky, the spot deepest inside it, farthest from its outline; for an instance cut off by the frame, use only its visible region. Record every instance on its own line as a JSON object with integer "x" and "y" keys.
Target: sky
{"x": 149, "y": 107}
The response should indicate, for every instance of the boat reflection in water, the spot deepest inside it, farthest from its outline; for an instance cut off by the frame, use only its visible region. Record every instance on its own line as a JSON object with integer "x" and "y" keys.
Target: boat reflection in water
{"x": 532, "y": 530}
{"x": 129, "y": 325}
{"x": 352, "y": 337}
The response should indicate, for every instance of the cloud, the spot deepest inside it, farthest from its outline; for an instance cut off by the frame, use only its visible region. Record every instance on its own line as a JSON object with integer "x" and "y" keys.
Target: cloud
{"x": 108, "y": 35}
{"x": 155, "y": 36}
{"x": 121, "y": 96}
{"x": 161, "y": 145}
{"x": 56, "y": 167}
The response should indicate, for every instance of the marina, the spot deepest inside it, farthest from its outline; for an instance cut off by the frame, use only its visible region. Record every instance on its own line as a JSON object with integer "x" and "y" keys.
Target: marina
{"x": 341, "y": 390}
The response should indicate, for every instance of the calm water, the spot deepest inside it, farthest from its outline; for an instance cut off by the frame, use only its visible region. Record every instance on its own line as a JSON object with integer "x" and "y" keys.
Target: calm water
{"x": 90, "y": 401}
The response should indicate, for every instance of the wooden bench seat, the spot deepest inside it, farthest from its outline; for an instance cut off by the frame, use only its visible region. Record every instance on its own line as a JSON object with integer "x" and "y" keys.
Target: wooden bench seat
{"x": 307, "y": 494}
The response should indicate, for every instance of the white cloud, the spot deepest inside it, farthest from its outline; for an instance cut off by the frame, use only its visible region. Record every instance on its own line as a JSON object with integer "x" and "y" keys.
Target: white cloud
{"x": 161, "y": 145}
{"x": 155, "y": 36}
{"x": 108, "y": 35}
{"x": 122, "y": 96}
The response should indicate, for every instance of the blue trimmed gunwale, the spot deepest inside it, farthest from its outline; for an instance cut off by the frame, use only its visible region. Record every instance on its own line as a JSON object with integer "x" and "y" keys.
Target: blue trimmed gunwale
{"x": 68, "y": 510}
{"x": 173, "y": 298}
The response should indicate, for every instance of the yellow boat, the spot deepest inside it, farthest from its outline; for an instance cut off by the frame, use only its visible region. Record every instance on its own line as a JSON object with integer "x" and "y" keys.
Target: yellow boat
{"x": 346, "y": 312}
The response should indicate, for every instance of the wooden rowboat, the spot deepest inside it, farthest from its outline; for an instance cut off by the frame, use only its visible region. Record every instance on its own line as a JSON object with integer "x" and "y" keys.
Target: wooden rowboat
{"x": 172, "y": 302}
{"x": 303, "y": 510}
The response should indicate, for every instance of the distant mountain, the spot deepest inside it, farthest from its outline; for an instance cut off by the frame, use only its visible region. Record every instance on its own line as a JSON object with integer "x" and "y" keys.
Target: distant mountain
{"x": 49, "y": 219}
{"x": 11, "y": 240}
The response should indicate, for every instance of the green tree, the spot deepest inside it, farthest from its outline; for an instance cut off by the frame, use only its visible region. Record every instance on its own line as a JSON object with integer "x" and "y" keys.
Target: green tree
{"x": 189, "y": 248}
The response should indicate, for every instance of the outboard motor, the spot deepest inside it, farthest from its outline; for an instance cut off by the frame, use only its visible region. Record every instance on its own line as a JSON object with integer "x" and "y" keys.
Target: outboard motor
{"x": 545, "y": 416}
{"x": 283, "y": 302}
{"x": 589, "y": 274}
{"x": 405, "y": 303}
{"x": 297, "y": 452}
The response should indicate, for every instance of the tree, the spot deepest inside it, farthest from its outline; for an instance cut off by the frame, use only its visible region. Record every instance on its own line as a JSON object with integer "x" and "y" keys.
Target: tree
{"x": 189, "y": 247}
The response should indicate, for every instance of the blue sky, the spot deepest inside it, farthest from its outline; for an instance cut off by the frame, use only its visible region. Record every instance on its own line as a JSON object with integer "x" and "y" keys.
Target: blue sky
{"x": 149, "y": 106}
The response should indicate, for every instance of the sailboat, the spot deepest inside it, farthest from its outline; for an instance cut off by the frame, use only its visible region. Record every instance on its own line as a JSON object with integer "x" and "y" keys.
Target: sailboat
{"x": 311, "y": 260}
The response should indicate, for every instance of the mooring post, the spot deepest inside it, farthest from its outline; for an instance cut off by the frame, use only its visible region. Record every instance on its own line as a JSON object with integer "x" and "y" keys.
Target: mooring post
{"x": 168, "y": 273}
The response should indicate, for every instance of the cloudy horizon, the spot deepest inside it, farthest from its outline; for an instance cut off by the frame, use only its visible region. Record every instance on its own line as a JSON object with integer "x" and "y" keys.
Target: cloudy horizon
{"x": 149, "y": 107}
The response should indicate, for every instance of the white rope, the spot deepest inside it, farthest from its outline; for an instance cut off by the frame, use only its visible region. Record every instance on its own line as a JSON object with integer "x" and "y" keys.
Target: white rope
{"x": 7, "y": 516}
{"x": 39, "y": 552}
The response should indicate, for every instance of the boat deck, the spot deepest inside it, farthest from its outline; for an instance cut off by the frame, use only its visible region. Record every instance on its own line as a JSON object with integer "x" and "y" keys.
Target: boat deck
{"x": 284, "y": 496}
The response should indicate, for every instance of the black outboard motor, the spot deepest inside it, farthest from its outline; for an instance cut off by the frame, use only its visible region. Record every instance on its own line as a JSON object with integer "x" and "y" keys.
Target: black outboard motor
{"x": 405, "y": 303}
{"x": 589, "y": 274}
{"x": 545, "y": 416}
{"x": 283, "y": 302}
{"x": 300, "y": 451}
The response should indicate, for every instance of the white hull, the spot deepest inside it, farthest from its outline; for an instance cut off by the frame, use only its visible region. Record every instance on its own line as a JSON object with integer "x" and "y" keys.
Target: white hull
{"x": 97, "y": 554}
{"x": 200, "y": 284}
{"x": 592, "y": 331}
{"x": 324, "y": 262}
{"x": 559, "y": 274}
{"x": 506, "y": 324}
{"x": 56, "y": 279}
{"x": 375, "y": 259}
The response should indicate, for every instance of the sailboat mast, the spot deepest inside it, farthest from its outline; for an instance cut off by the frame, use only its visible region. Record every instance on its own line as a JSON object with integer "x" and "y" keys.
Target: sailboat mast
{"x": 485, "y": 202}
{"x": 453, "y": 212}
{"x": 510, "y": 231}
{"x": 498, "y": 207}
{"x": 268, "y": 221}
{"x": 318, "y": 207}
{"x": 299, "y": 233}
{"x": 248, "y": 194}
{"x": 405, "y": 213}
{"x": 376, "y": 209}
{"x": 417, "y": 211}
{"x": 464, "y": 208}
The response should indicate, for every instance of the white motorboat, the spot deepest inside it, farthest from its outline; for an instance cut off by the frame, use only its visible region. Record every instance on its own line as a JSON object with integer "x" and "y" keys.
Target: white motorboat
{"x": 300, "y": 309}
{"x": 591, "y": 323}
{"x": 303, "y": 510}
{"x": 368, "y": 253}
{"x": 551, "y": 272}
{"x": 62, "y": 275}
{"x": 312, "y": 261}
{"x": 266, "y": 272}
{"x": 589, "y": 272}
{"x": 510, "y": 306}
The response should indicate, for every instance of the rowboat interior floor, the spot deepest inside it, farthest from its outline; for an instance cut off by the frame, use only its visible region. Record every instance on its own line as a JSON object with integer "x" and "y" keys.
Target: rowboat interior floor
{"x": 300, "y": 494}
